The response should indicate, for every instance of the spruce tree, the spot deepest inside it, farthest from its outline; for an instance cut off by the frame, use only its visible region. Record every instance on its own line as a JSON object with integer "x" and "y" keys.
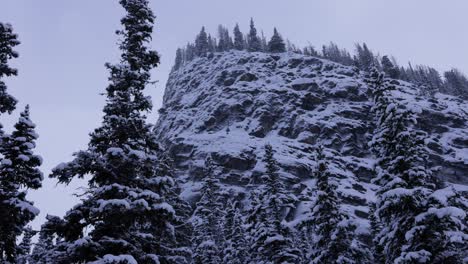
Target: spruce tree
{"x": 335, "y": 240}
{"x": 404, "y": 206}
{"x": 253, "y": 41}
{"x": 391, "y": 70}
{"x": 179, "y": 59}
{"x": 235, "y": 244}
{"x": 225, "y": 41}
{"x": 208, "y": 238}
{"x": 239, "y": 42}
{"x": 18, "y": 171}
{"x": 24, "y": 248}
{"x": 8, "y": 40}
{"x": 125, "y": 202}
{"x": 269, "y": 237}
{"x": 375, "y": 228}
{"x": 201, "y": 44}
{"x": 276, "y": 43}
{"x": 45, "y": 250}
{"x": 256, "y": 227}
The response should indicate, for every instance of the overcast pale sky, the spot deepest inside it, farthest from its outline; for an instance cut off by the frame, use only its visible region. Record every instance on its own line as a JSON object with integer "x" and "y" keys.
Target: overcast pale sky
{"x": 66, "y": 43}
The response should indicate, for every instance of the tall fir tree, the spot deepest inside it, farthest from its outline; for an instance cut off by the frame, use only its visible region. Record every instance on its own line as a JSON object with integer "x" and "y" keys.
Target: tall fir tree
{"x": 8, "y": 40}
{"x": 276, "y": 43}
{"x": 335, "y": 240}
{"x": 179, "y": 59}
{"x": 268, "y": 236}
{"x": 208, "y": 238}
{"x": 45, "y": 250}
{"x": 130, "y": 214}
{"x": 24, "y": 248}
{"x": 239, "y": 42}
{"x": 234, "y": 235}
{"x": 411, "y": 221}
{"x": 253, "y": 41}
{"x": 393, "y": 71}
{"x": 225, "y": 41}
{"x": 19, "y": 170}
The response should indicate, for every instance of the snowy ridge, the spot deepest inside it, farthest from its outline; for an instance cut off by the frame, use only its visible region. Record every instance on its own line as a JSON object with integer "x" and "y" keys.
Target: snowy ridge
{"x": 231, "y": 104}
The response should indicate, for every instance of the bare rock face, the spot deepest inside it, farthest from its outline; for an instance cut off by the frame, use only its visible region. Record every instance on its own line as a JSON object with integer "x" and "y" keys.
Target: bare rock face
{"x": 231, "y": 104}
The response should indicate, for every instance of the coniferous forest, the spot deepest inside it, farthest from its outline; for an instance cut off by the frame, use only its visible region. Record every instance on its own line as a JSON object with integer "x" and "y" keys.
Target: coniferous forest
{"x": 150, "y": 200}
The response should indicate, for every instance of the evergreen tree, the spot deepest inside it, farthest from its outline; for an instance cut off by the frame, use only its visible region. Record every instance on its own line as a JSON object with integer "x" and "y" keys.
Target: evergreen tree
{"x": 18, "y": 171}
{"x": 234, "y": 249}
{"x": 253, "y": 41}
{"x": 8, "y": 40}
{"x": 375, "y": 228}
{"x": 211, "y": 44}
{"x": 24, "y": 248}
{"x": 276, "y": 43}
{"x": 208, "y": 238}
{"x": 335, "y": 242}
{"x": 456, "y": 83}
{"x": 225, "y": 41}
{"x": 256, "y": 227}
{"x": 239, "y": 42}
{"x": 404, "y": 207}
{"x": 334, "y": 53}
{"x": 201, "y": 44}
{"x": 126, "y": 201}
{"x": 45, "y": 251}
{"x": 391, "y": 70}
{"x": 365, "y": 59}
{"x": 269, "y": 237}
{"x": 179, "y": 59}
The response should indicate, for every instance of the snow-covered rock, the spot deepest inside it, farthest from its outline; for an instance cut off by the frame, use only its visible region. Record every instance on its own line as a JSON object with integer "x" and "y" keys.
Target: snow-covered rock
{"x": 231, "y": 104}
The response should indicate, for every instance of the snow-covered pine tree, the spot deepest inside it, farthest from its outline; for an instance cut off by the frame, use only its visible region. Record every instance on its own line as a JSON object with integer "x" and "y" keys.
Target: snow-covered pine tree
{"x": 211, "y": 44}
{"x": 19, "y": 170}
{"x": 391, "y": 70}
{"x": 235, "y": 245}
{"x": 375, "y": 228}
{"x": 225, "y": 41}
{"x": 24, "y": 248}
{"x": 208, "y": 238}
{"x": 256, "y": 227}
{"x": 8, "y": 40}
{"x": 412, "y": 222}
{"x": 179, "y": 59}
{"x": 335, "y": 240}
{"x": 239, "y": 42}
{"x": 131, "y": 218}
{"x": 253, "y": 41}
{"x": 271, "y": 238}
{"x": 201, "y": 44}
{"x": 168, "y": 187}
{"x": 276, "y": 43}
{"x": 45, "y": 251}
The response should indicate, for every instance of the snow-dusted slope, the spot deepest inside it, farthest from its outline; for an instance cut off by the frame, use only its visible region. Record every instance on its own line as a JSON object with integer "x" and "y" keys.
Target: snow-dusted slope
{"x": 231, "y": 104}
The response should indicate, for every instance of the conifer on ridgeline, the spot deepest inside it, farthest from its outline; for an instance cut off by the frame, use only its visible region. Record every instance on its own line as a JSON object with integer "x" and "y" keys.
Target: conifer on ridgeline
{"x": 202, "y": 46}
{"x": 276, "y": 43}
{"x": 253, "y": 41}
{"x": 239, "y": 42}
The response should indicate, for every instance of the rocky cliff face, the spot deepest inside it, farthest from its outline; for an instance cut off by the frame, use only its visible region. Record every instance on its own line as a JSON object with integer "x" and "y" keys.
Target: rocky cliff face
{"x": 231, "y": 104}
